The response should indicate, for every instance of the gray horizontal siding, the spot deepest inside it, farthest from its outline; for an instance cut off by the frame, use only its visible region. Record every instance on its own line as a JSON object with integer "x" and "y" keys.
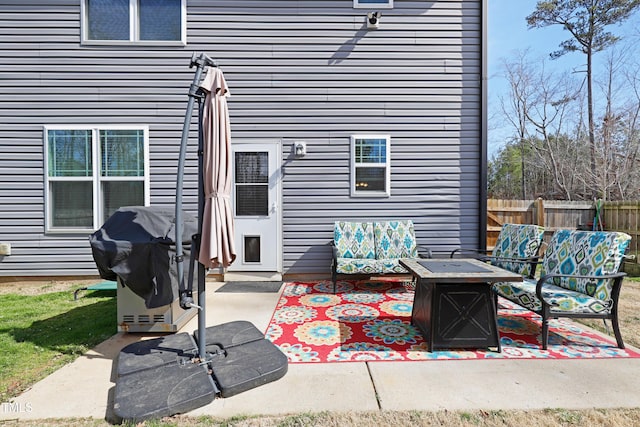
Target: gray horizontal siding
{"x": 298, "y": 70}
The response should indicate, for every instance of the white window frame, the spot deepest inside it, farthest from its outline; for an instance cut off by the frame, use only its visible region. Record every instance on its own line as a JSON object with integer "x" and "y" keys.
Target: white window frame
{"x": 134, "y": 30}
{"x": 360, "y": 4}
{"x": 355, "y": 165}
{"x": 95, "y": 177}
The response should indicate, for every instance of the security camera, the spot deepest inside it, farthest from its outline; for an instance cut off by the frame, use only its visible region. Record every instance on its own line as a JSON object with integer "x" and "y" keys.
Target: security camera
{"x": 373, "y": 19}
{"x": 300, "y": 148}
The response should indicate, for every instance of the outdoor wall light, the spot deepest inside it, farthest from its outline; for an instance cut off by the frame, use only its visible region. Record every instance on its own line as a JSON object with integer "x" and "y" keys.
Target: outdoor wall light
{"x": 300, "y": 148}
{"x": 373, "y": 20}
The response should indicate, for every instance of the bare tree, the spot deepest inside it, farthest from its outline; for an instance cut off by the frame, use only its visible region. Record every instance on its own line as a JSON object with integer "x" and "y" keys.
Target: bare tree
{"x": 514, "y": 108}
{"x": 629, "y": 166}
{"x": 587, "y": 22}
{"x": 540, "y": 107}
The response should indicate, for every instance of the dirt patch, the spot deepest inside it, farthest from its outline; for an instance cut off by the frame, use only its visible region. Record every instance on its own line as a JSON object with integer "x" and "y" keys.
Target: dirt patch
{"x": 628, "y": 314}
{"x": 37, "y": 287}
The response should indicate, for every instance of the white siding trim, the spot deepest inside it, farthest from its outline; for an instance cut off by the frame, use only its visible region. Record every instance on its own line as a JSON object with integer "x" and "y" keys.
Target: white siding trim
{"x": 96, "y": 180}
{"x": 355, "y": 165}
{"x": 360, "y": 4}
{"x": 134, "y": 29}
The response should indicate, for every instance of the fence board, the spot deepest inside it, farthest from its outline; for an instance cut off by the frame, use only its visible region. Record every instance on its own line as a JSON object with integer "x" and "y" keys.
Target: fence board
{"x": 501, "y": 212}
{"x": 624, "y": 216}
{"x": 552, "y": 214}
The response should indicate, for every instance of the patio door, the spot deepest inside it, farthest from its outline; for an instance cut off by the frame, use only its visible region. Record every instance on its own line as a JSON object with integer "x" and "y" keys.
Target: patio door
{"x": 256, "y": 206}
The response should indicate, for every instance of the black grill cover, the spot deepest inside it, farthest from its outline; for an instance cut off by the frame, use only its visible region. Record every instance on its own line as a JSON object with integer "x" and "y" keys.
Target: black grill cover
{"x": 137, "y": 245}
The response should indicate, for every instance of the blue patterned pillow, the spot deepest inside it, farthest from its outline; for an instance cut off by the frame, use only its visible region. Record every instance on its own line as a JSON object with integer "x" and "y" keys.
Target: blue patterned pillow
{"x": 517, "y": 241}
{"x": 395, "y": 239}
{"x": 354, "y": 239}
{"x": 585, "y": 253}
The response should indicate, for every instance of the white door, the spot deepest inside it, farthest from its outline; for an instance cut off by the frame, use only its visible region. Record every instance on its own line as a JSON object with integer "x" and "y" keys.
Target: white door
{"x": 256, "y": 206}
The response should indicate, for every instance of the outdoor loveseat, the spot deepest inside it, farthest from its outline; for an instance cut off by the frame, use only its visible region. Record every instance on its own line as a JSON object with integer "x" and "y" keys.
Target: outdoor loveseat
{"x": 579, "y": 278}
{"x": 372, "y": 247}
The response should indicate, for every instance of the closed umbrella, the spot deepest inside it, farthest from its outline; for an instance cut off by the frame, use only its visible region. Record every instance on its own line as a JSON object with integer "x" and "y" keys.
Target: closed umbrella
{"x": 217, "y": 245}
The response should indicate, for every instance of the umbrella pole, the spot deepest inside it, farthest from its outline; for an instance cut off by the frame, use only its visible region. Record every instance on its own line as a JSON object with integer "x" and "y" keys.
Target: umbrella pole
{"x": 202, "y": 273}
{"x": 186, "y": 298}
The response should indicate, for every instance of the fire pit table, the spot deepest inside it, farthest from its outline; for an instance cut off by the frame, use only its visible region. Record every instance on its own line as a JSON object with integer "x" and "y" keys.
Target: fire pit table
{"x": 454, "y": 306}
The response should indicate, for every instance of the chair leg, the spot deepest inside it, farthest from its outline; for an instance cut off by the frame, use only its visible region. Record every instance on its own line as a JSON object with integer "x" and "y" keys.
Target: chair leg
{"x": 545, "y": 332}
{"x": 334, "y": 278}
{"x": 495, "y": 316}
{"x": 616, "y": 331}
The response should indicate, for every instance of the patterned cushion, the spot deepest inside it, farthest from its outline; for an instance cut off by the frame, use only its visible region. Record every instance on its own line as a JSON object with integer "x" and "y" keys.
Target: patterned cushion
{"x": 395, "y": 239}
{"x": 517, "y": 241}
{"x": 357, "y": 265}
{"x": 354, "y": 240}
{"x": 562, "y": 300}
{"x": 585, "y": 253}
{"x": 391, "y": 266}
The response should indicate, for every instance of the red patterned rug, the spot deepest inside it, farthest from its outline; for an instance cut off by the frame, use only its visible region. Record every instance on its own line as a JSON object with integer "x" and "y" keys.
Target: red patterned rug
{"x": 371, "y": 321}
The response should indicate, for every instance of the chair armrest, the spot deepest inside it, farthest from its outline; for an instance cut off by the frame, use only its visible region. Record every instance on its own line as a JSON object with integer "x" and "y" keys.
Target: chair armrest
{"x": 533, "y": 261}
{"x": 469, "y": 250}
{"x": 616, "y": 277}
{"x": 427, "y": 251}
{"x": 334, "y": 249}
{"x": 530, "y": 260}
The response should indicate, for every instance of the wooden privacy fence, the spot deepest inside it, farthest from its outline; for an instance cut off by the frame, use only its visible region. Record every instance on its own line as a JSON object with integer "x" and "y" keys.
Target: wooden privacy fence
{"x": 624, "y": 216}
{"x": 557, "y": 214}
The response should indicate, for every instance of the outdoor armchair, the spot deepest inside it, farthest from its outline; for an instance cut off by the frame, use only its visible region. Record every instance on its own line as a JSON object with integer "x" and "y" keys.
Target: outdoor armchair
{"x": 579, "y": 278}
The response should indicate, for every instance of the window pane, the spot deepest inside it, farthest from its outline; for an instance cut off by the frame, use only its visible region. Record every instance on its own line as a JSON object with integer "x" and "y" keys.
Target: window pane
{"x": 371, "y": 150}
{"x": 116, "y": 194}
{"x": 252, "y": 168}
{"x": 69, "y": 152}
{"x": 370, "y": 179}
{"x": 72, "y": 204}
{"x": 122, "y": 152}
{"x": 160, "y": 20}
{"x": 252, "y": 200}
{"x": 108, "y": 19}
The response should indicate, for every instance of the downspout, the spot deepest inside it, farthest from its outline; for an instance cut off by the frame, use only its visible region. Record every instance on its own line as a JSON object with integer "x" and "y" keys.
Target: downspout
{"x": 482, "y": 205}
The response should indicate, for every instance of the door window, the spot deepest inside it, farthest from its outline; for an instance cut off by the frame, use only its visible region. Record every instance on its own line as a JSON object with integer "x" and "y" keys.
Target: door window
{"x": 252, "y": 183}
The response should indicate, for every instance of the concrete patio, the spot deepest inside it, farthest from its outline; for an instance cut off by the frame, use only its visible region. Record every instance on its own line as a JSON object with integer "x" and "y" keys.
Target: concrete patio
{"x": 85, "y": 387}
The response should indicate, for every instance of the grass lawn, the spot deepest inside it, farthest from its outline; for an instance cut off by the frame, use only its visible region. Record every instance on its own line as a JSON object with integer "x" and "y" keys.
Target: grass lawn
{"x": 42, "y": 332}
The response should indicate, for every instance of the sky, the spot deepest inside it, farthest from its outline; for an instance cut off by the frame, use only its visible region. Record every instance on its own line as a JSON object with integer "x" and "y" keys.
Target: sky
{"x": 508, "y": 33}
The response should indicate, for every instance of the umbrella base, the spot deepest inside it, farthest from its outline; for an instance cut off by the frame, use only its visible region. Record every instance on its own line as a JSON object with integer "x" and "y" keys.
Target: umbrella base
{"x": 241, "y": 358}
{"x": 161, "y": 377}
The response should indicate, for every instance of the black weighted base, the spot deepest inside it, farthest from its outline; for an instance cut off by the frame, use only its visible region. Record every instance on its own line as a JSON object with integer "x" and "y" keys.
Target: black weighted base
{"x": 163, "y": 391}
{"x": 246, "y": 360}
{"x": 166, "y": 350}
{"x": 162, "y": 377}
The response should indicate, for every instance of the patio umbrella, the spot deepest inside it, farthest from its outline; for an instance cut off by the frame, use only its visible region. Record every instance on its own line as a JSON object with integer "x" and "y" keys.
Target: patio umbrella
{"x": 217, "y": 245}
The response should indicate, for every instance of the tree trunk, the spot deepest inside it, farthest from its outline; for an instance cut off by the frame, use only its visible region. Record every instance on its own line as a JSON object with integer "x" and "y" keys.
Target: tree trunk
{"x": 592, "y": 137}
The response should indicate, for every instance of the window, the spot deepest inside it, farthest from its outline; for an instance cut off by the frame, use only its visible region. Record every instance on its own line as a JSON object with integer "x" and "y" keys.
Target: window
{"x": 370, "y": 165}
{"x": 92, "y": 171}
{"x": 373, "y": 4}
{"x": 133, "y": 21}
{"x": 252, "y": 183}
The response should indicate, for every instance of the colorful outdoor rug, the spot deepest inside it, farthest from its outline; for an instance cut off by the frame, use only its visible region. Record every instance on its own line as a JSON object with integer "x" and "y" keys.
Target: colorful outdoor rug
{"x": 371, "y": 321}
